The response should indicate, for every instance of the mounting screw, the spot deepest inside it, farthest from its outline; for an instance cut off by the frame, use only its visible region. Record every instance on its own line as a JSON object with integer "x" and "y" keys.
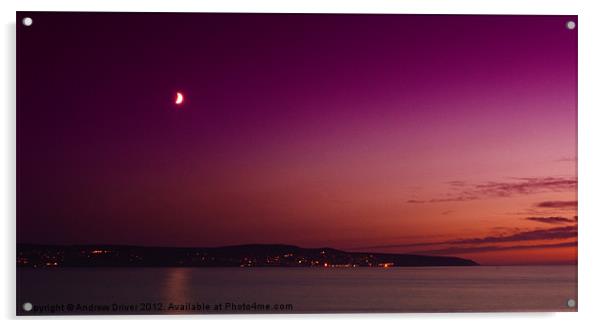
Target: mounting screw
{"x": 27, "y": 21}
{"x": 570, "y": 25}
{"x": 571, "y": 303}
{"x": 27, "y": 306}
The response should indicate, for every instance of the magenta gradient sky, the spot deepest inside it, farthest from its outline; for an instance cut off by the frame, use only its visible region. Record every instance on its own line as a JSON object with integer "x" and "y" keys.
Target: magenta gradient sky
{"x": 365, "y": 132}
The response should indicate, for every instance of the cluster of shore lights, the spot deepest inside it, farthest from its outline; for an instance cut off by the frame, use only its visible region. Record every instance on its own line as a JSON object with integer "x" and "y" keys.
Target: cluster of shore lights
{"x": 380, "y": 265}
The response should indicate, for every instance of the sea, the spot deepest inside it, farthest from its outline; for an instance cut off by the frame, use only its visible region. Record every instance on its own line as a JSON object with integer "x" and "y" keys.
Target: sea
{"x": 119, "y": 291}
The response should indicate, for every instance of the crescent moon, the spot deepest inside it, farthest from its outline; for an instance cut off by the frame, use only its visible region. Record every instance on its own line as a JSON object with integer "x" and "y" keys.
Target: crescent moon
{"x": 179, "y": 98}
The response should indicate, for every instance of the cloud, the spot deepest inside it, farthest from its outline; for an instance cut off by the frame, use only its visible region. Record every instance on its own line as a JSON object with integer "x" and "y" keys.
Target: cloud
{"x": 564, "y": 232}
{"x": 441, "y": 200}
{"x": 551, "y": 219}
{"x": 568, "y": 159}
{"x": 518, "y": 186}
{"x": 457, "y": 183}
{"x": 558, "y": 204}
{"x": 480, "y": 249}
{"x": 538, "y": 234}
{"x": 527, "y": 186}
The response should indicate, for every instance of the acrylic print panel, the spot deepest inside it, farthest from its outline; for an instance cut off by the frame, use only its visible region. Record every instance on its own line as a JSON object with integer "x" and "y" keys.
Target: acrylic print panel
{"x": 295, "y": 163}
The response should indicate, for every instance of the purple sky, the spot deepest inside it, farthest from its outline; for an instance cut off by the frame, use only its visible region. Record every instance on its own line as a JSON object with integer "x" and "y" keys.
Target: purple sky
{"x": 315, "y": 130}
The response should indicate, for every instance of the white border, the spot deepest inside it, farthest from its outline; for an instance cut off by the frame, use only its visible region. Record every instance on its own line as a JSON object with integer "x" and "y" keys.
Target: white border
{"x": 590, "y": 159}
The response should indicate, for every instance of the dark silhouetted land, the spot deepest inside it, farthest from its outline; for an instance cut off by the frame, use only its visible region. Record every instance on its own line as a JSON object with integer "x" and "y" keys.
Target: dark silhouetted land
{"x": 253, "y": 255}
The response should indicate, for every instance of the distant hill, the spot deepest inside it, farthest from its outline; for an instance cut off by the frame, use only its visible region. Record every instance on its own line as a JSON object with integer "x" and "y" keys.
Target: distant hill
{"x": 251, "y": 255}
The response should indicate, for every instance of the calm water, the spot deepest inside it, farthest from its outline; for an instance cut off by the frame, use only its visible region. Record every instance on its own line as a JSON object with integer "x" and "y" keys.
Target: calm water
{"x": 296, "y": 290}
